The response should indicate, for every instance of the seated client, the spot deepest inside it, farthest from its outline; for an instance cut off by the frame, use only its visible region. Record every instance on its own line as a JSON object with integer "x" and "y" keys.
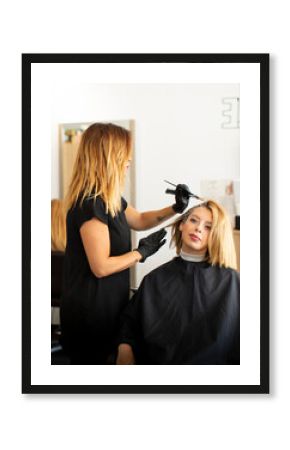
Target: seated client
{"x": 187, "y": 310}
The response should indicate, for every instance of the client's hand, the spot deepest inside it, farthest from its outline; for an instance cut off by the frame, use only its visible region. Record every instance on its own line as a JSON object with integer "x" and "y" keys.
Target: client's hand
{"x": 125, "y": 355}
{"x": 151, "y": 244}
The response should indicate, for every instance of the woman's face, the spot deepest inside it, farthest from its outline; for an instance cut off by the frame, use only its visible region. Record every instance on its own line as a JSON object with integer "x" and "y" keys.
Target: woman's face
{"x": 195, "y": 231}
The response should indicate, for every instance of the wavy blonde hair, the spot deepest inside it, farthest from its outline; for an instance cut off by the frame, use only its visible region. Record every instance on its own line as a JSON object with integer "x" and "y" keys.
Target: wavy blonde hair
{"x": 58, "y": 225}
{"x": 99, "y": 168}
{"x": 221, "y": 248}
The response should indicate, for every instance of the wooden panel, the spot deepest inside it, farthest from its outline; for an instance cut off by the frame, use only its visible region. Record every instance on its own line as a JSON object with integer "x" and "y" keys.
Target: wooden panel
{"x": 68, "y": 154}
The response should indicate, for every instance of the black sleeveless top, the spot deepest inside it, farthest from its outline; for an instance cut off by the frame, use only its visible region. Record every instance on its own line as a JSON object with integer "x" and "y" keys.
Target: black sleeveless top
{"x": 91, "y": 306}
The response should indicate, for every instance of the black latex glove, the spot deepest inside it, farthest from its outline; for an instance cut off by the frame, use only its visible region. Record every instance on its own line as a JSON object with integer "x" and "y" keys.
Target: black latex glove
{"x": 181, "y": 198}
{"x": 151, "y": 244}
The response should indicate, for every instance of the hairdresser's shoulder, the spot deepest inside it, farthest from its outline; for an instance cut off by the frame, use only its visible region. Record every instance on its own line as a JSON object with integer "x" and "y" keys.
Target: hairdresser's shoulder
{"x": 87, "y": 201}
{"x": 87, "y": 208}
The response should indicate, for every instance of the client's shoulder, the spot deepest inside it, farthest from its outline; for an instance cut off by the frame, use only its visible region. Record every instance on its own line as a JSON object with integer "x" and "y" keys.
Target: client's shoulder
{"x": 225, "y": 272}
{"x": 165, "y": 269}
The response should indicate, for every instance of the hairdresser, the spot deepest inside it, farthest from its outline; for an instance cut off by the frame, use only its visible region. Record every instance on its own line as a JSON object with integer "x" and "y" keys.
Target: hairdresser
{"x": 98, "y": 252}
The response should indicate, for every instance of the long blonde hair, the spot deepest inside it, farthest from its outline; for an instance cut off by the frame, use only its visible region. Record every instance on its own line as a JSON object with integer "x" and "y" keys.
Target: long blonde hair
{"x": 99, "y": 168}
{"x": 58, "y": 226}
{"x": 221, "y": 248}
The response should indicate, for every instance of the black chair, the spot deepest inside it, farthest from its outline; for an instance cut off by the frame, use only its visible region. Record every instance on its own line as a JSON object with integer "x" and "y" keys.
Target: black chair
{"x": 57, "y": 260}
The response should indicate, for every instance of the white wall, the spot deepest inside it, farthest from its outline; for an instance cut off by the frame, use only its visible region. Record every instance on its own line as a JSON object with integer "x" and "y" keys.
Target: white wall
{"x": 178, "y": 137}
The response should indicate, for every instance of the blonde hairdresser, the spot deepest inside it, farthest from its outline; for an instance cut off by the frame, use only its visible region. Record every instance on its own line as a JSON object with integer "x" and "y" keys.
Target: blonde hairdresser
{"x": 99, "y": 254}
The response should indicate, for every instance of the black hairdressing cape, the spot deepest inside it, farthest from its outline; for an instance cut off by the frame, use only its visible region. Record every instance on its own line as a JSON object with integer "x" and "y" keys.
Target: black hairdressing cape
{"x": 185, "y": 313}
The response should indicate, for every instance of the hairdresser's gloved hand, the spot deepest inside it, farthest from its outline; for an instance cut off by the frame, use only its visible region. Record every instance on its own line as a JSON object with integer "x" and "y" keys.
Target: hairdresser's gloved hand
{"x": 151, "y": 244}
{"x": 182, "y": 194}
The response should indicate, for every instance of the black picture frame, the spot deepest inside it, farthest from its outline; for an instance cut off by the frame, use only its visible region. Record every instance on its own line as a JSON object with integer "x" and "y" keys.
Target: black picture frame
{"x": 263, "y": 61}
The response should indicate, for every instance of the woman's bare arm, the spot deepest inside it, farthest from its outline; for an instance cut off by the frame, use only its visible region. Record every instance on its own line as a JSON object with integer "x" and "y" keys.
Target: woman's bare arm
{"x": 96, "y": 242}
{"x": 145, "y": 220}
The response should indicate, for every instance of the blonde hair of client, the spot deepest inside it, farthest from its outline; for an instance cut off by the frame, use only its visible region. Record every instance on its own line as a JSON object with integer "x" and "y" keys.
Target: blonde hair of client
{"x": 221, "y": 249}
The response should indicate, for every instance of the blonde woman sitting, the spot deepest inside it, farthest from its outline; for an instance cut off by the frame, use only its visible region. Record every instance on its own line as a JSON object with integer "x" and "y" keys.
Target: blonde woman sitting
{"x": 187, "y": 310}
